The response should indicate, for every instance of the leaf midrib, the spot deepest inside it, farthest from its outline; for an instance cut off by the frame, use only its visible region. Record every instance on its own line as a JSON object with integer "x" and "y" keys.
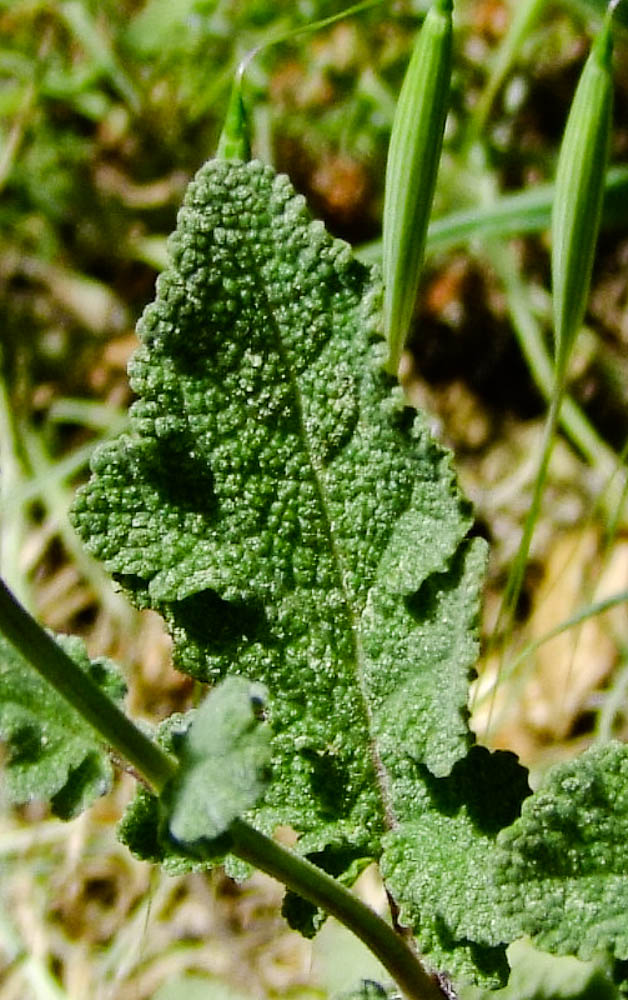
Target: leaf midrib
{"x": 316, "y": 467}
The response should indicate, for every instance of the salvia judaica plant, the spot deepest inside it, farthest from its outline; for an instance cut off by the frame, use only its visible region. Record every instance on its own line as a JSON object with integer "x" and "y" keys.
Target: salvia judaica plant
{"x": 302, "y": 535}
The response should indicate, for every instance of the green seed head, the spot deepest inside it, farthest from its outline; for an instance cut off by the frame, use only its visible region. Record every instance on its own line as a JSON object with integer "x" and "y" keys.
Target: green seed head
{"x": 413, "y": 158}
{"x": 234, "y": 143}
{"x": 579, "y": 191}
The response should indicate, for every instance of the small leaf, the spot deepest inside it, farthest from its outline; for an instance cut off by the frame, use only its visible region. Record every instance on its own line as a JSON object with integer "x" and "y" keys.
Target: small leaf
{"x": 139, "y": 828}
{"x": 224, "y": 765}
{"x": 562, "y": 868}
{"x": 53, "y": 753}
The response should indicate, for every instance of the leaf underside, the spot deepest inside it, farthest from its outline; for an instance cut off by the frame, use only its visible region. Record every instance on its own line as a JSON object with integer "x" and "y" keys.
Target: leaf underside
{"x": 53, "y": 754}
{"x": 290, "y": 517}
{"x": 562, "y": 867}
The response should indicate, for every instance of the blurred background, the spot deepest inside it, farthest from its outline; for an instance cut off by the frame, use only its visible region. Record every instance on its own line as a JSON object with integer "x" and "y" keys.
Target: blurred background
{"x": 107, "y": 109}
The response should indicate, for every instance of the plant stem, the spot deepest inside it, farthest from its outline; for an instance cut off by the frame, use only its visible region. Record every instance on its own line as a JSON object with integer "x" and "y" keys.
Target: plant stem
{"x": 56, "y": 667}
{"x": 583, "y": 615}
{"x": 603, "y": 460}
{"x": 517, "y": 572}
{"x": 12, "y": 521}
{"x": 525, "y": 15}
{"x": 154, "y": 764}
{"x": 319, "y": 888}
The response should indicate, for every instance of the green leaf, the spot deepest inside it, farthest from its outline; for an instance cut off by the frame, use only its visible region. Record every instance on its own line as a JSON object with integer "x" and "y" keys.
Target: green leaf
{"x": 562, "y": 868}
{"x": 436, "y": 863}
{"x": 141, "y": 825}
{"x": 290, "y": 517}
{"x": 287, "y": 514}
{"x": 53, "y": 753}
{"x": 224, "y": 761}
{"x": 535, "y": 975}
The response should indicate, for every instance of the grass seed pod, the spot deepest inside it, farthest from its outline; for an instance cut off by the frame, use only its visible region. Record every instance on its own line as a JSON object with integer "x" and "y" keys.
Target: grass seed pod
{"x": 413, "y": 158}
{"x": 234, "y": 143}
{"x": 579, "y": 192}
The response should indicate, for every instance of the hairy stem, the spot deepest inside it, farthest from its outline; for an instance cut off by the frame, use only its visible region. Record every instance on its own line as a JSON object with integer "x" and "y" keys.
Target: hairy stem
{"x": 56, "y": 667}
{"x": 319, "y": 888}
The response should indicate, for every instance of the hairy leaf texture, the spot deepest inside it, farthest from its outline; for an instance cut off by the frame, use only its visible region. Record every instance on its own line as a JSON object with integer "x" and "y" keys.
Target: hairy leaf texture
{"x": 436, "y": 863}
{"x": 141, "y": 827}
{"x": 291, "y": 519}
{"x": 53, "y": 754}
{"x": 562, "y": 868}
{"x": 224, "y": 760}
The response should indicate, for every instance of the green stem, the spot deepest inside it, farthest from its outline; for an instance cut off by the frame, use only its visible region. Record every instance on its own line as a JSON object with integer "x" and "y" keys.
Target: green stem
{"x": 607, "y": 465}
{"x": 12, "y": 521}
{"x": 515, "y": 579}
{"x": 315, "y": 885}
{"x": 56, "y": 667}
{"x": 584, "y": 615}
{"x": 525, "y": 14}
{"x": 154, "y": 764}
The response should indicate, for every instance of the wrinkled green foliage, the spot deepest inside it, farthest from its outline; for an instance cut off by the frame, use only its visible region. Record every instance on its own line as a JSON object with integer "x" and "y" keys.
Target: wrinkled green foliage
{"x": 224, "y": 765}
{"x": 355, "y": 611}
{"x": 562, "y": 867}
{"x": 290, "y": 517}
{"x": 284, "y": 511}
{"x": 536, "y": 975}
{"x": 294, "y": 523}
{"x": 436, "y": 863}
{"x": 53, "y": 753}
{"x": 141, "y": 827}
